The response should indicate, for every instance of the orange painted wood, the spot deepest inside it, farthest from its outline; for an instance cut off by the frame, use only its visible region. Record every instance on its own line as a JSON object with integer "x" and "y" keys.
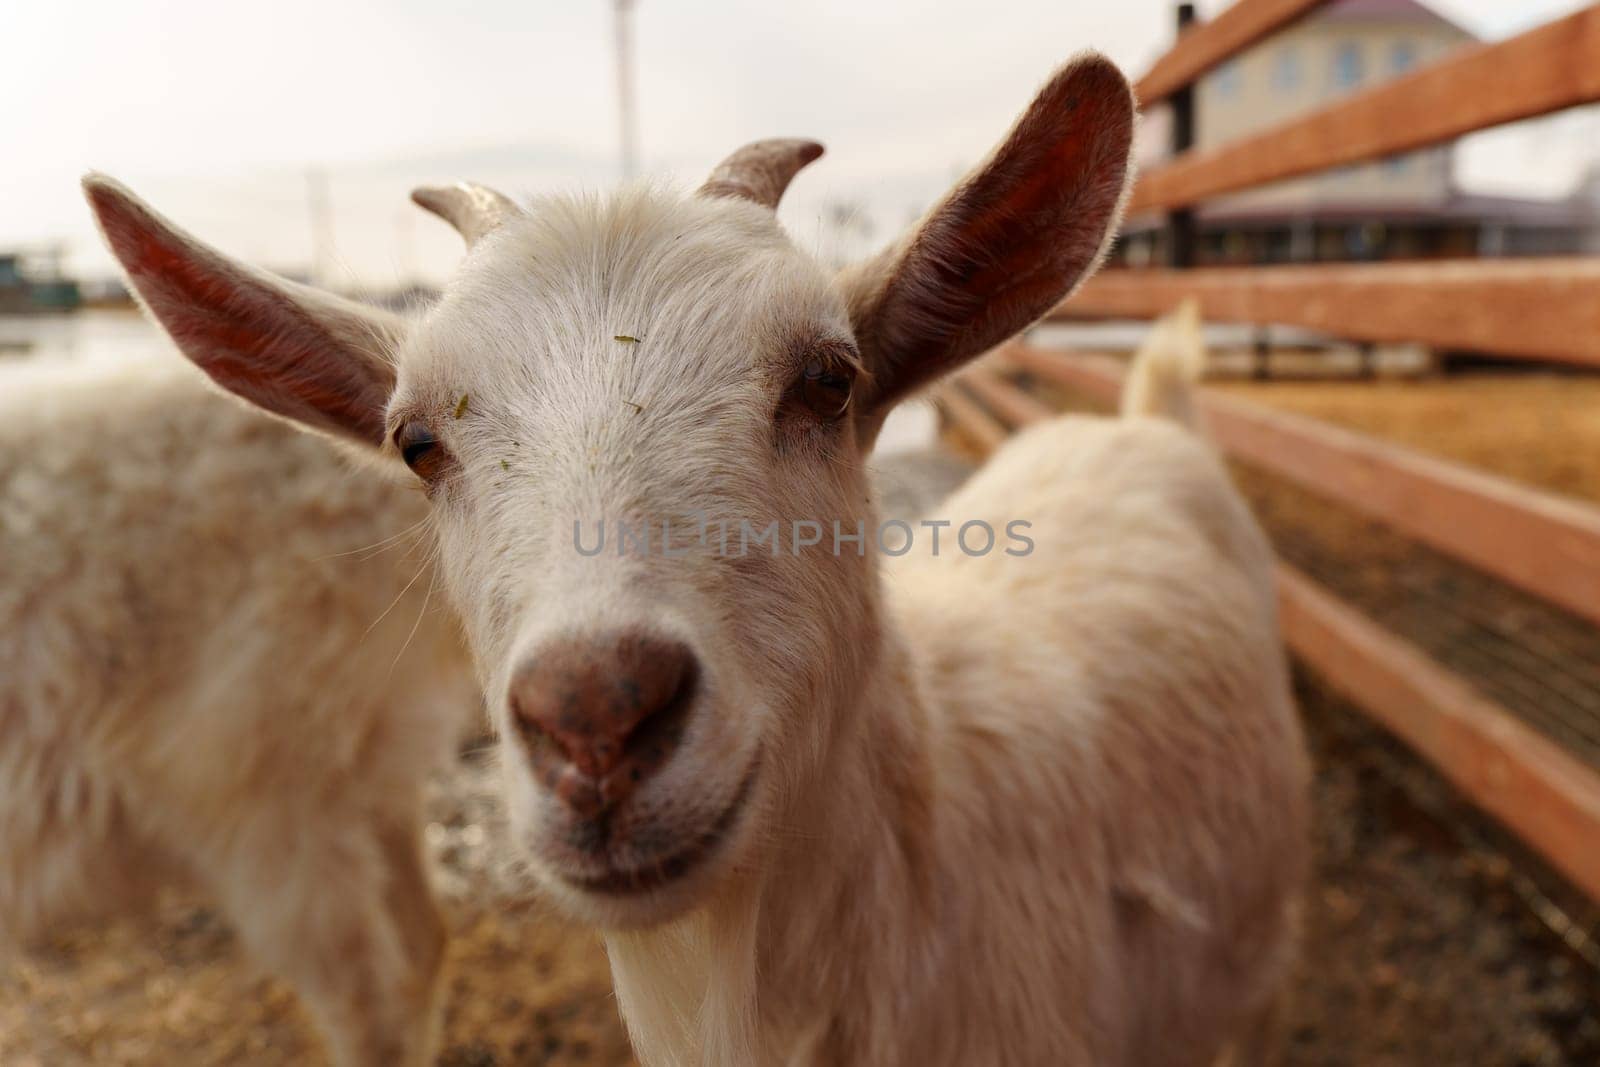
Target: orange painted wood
{"x": 981, "y": 428}
{"x": 1005, "y": 399}
{"x": 1538, "y": 790}
{"x": 1549, "y": 68}
{"x": 1529, "y": 308}
{"x": 1543, "y": 543}
{"x": 1208, "y": 45}
{"x": 1098, "y": 376}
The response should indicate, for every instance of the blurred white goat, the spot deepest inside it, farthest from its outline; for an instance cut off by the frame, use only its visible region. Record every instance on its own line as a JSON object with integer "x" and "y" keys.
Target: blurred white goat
{"x": 202, "y": 618}
{"x": 1027, "y": 809}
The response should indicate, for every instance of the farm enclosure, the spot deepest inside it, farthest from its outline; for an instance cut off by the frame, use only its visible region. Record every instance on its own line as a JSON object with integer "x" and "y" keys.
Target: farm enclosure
{"x": 1458, "y": 608}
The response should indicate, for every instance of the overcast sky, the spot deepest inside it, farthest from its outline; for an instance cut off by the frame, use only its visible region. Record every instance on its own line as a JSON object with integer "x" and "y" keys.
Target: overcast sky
{"x": 216, "y": 111}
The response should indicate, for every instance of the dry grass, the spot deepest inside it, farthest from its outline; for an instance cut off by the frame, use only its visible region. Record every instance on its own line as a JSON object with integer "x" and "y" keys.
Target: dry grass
{"x": 1542, "y": 429}
{"x": 523, "y": 987}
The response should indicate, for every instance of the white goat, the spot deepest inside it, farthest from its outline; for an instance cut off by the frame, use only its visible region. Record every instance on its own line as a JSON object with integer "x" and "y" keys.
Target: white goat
{"x": 1023, "y": 809}
{"x": 201, "y": 680}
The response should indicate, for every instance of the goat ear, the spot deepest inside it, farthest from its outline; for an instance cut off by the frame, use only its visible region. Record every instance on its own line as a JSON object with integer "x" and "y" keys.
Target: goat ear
{"x": 300, "y": 353}
{"x": 1013, "y": 238}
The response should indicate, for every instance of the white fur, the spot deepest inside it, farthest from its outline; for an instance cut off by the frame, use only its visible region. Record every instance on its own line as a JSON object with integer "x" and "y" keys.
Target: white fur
{"x": 202, "y": 617}
{"x": 954, "y": 810}
{"x": 1169, "y": 362}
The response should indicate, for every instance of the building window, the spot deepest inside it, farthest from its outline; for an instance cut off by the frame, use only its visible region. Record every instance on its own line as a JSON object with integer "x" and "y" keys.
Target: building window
{"x": 1349, "y": 66}
{"x": 1402, "y": 57}
{"x": 1229, "y": 78}
{"x": 1286, "y": 69}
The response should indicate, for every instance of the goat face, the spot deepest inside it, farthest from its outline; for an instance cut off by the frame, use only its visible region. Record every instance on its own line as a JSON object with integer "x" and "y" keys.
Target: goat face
{"x": 612, "y": 408}
{"x": 615, "y": 401}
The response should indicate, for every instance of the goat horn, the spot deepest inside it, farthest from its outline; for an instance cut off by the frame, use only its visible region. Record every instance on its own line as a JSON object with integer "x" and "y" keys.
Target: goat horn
{"x": 472, "y": 209}
{"x": 761, "y": 170}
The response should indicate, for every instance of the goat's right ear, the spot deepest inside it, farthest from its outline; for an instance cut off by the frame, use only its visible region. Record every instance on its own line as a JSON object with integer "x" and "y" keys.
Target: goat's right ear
{"x": 300, "y": 353}
{"x": 1011, "y": 240}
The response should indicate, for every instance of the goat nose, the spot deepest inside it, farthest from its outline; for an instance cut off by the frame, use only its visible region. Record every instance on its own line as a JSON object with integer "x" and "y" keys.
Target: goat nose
{"x": 600, "y": 714}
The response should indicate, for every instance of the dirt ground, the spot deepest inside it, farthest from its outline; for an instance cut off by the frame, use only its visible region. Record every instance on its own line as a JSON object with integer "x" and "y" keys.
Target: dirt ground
{"x": 1424, "y": 945}
{"x": 174, "y": 989}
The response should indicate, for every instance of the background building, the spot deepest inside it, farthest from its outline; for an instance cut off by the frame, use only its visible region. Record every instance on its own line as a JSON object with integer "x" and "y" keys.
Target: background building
{"x": 31, "y": 280}
{"x": 1404, "y": 207}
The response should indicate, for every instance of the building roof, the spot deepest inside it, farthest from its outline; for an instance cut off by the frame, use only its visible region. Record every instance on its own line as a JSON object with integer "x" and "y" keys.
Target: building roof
{"x": 1387, "y": 11}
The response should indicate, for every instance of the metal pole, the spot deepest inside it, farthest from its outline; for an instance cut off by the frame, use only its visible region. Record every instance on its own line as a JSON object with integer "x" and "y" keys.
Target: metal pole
{"x": 320, "y": 206}
{"x": 1261, "y": 365}
{"x": 628, "y": 127}
{"x": 1181, "y": 239}
{"x": 406, "y": 247}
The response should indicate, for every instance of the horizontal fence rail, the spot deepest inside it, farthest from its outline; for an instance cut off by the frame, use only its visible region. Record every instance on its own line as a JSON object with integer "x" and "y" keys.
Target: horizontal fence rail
{"x": 1208, "y": 45}
{"x": 1547, "y": 69}
{"x": 1532, "y": 786}
{"x": 976, "y": 424}
{"x": 1011, "y": 404}
{"x": 1524, "y": 308}
{"x": 1537, "y": 541}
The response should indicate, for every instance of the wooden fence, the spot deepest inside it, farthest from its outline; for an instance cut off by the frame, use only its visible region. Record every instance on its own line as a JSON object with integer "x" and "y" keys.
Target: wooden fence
{"x": 1532, "y": 308}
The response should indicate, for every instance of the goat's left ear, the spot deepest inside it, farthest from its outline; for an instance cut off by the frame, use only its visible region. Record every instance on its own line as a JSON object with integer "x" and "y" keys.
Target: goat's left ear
{"x": 307, "y": 355}
{"x": 1008, "y": 243}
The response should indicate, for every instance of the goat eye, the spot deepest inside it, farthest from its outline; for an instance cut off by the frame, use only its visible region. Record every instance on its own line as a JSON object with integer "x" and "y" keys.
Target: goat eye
{"x": 419, "y": 448}
{"x": 826, "y": 389}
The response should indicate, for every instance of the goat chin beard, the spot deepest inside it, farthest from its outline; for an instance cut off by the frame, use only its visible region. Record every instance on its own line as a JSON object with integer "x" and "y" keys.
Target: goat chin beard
{"x": 663, "y": 889}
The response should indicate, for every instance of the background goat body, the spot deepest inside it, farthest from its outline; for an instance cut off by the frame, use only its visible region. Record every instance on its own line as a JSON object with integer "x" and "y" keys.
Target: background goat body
{"x": 202, "y": 618}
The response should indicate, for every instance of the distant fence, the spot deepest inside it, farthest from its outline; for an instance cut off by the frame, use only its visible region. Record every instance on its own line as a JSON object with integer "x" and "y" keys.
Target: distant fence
{"x": 1540, "y": 308}
{"x": 1544, "y": 309}
{"x": 1530, "y": 308}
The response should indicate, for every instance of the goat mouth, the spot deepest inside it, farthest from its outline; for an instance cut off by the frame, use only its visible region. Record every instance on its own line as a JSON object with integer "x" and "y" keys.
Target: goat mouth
{"x": 660, "y": 873}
